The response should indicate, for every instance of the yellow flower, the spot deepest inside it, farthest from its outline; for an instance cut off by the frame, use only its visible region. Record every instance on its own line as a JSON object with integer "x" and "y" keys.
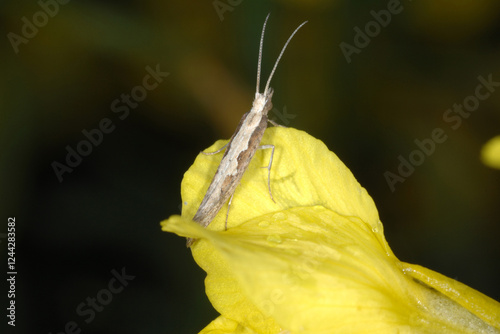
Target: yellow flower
{"x": 490, "y": 153}
{"x": 316, "y": 261}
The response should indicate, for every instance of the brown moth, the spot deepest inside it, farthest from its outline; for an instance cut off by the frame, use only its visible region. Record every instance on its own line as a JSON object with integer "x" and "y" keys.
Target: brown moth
{"x": 240, "y": 149}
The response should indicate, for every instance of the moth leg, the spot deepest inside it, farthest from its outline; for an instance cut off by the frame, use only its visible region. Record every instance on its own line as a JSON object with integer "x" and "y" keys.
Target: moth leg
{"x": 269, "y": 168}
{"x": 215, "y": 152}
{"x": 276, "y": 124}
{"x": 227, "y": 213}
{"x": 189, "y": 242}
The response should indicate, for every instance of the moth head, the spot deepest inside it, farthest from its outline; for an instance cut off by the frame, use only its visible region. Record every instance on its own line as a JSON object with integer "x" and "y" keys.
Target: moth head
{"x": 262, "y": 103}
{"x": 268, "y": 95}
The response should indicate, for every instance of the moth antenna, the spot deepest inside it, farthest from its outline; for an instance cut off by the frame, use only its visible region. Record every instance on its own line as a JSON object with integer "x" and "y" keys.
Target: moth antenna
{"x": 281, "y": 54}
{"x": 260, "y": 53}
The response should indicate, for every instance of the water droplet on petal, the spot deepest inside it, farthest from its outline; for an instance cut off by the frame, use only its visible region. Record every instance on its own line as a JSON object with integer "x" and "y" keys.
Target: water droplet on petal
{"x": 377, "y": 228}
{"x": 274, "y": 238}
{"x": 264, "y": 224}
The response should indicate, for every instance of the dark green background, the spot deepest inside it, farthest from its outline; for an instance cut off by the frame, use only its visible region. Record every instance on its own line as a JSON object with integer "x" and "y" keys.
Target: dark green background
{"x": 105, "y": 214}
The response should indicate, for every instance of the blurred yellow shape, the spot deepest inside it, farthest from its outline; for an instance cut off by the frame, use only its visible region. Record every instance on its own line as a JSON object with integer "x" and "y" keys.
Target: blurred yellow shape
{"x": 490, "y": 153}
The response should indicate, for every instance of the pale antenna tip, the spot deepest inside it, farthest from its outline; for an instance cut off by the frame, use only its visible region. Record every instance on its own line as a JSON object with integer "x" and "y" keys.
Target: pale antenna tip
{"x": 260, "y": 53}
{"x": 281, "y": 54}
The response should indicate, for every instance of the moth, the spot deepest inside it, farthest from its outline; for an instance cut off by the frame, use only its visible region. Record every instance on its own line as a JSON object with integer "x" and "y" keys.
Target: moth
{"x": 241, "y": 148}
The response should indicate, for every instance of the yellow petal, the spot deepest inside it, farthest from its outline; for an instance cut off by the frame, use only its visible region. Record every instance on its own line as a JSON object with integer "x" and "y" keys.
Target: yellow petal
{"x": 223, "y": 288}
{"x": 490, "y": 153}
{"x": 310, "y": 270}
{"x": 304, "y": 173}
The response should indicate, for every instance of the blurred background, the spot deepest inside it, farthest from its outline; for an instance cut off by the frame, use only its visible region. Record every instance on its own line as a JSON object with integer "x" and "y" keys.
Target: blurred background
{"x": 68, "y": 69}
